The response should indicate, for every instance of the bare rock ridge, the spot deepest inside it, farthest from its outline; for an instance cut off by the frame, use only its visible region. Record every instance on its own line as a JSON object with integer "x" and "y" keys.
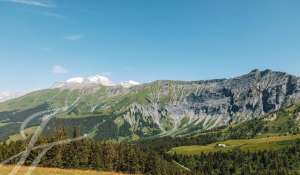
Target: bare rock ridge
{"x": 206, "y": 104}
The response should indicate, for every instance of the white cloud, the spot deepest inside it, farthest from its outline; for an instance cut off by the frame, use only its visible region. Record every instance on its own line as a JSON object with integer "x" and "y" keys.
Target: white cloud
{"x": 58, "y": 69}
{"x": 74, "y": 37}
{"x": 7, "y": 95}
{"x": 39, "y": 3}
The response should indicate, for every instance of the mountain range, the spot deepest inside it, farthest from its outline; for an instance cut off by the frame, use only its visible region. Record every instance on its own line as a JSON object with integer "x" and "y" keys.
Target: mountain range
{"x": 131, "y": 111}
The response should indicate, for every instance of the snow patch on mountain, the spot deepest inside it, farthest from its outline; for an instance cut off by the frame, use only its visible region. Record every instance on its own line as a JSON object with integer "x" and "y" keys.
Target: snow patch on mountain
{"x": 93, "y": 80}
{"x": 98, "y": 79}
{"x": 129, "y": 83}
{"x": 78, "y": 80}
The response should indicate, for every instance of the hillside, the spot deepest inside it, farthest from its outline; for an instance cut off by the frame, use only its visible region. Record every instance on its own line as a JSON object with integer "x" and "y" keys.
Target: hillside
{"x": 283, "y": 125}
{"x": 268, "y": 145}
{"x": 263, "y": 145}
{"x": 156, "y": 109}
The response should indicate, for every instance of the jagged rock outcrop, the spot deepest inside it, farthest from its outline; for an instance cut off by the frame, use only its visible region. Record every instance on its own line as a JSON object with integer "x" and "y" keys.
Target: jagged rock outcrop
{"x": 216, "y": 102}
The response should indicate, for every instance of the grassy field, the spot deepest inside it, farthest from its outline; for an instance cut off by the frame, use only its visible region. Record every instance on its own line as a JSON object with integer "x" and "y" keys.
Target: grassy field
{"x": 16, "y": 137}
{"x": 5, "y": 170}
{"x": 267, "y": 143}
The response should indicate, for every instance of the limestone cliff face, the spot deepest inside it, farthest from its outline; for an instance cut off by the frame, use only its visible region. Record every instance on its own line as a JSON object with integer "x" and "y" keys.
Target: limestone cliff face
{"x": 177, "y": 107}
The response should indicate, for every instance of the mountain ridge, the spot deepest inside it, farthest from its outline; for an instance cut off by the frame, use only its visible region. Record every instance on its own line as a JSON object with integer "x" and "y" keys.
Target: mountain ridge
{"x": 159, "y": 108}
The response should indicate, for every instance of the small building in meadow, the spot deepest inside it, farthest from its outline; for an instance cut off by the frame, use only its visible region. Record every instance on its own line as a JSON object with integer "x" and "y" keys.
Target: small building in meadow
{"x": 221, "y": 145}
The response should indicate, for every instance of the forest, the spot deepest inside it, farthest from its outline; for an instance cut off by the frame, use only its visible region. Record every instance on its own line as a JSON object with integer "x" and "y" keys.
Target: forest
{"x": 96, "y": 155}
{"x": 279, "y": 162}
{"x": 150, "y": 157}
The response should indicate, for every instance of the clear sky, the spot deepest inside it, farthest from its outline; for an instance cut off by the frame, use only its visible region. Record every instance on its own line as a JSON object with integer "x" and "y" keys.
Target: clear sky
{"x": 43, "y": 41}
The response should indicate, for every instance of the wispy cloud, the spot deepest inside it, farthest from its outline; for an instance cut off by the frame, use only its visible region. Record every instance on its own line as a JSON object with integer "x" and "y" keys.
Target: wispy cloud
{"x": 74, "y": 37}
{"x": 58, "y": 69}
{"x": 39, "y": 3}
{"x": 7, "y": 95}
{"x": 55, "y": 15}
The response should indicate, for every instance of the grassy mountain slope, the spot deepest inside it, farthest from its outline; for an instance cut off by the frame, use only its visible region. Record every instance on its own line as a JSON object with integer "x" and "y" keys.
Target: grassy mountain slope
{"x": 256, "y": 144}
{"x": 274, "y": 131}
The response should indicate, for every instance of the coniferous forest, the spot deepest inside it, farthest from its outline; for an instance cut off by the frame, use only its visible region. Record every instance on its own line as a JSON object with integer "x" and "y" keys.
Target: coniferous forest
{"x": 138, "y": 158}
{"x": 97, "y": 155}
{"x": 281, "y": 162}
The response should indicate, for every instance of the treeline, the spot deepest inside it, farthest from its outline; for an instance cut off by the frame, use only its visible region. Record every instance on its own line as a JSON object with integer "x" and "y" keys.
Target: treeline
{"x": 279, "y": 162}
{"x": 164, "y": 144}
{"x": 246, "y": 130}
{"x": 89, "y": 154}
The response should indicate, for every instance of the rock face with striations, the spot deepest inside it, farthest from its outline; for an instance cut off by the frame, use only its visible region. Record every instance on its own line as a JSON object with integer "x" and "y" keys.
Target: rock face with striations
{"x": 158, "y": 108}
{"x": 185, "y": 107}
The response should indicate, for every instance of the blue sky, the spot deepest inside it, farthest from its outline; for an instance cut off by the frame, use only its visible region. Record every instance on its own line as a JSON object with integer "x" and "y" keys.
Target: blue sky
{"x": 43, "y": 41}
